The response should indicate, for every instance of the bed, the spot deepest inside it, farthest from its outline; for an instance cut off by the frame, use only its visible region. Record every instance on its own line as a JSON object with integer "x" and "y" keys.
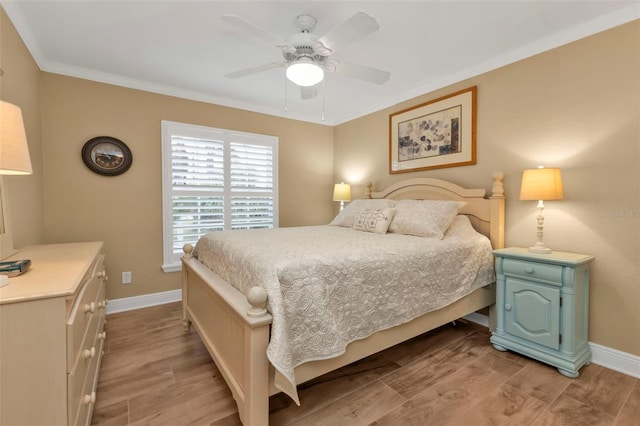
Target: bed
{"x": 236, "y": 326}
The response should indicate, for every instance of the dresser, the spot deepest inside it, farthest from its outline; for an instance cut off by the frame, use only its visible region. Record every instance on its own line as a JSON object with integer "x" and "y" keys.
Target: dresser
{"x": 51, "y": 335}
{"x": 542, "y": 307}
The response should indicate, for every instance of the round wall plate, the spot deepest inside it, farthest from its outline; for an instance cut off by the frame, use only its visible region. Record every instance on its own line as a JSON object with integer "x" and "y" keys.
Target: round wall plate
{"x": 107, "y": 156}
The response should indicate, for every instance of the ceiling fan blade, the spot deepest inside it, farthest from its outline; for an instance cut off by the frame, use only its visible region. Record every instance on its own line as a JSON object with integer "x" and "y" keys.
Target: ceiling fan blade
{"x": 358, "y": 26}
{"x": 252, "y": 30}
{"x": 363, "y": 72}
{"x": 253, "y": 70}
{"x": 308, "y": 92}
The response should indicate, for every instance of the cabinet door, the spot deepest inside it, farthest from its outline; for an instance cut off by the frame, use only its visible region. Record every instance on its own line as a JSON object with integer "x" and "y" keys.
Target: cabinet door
{"x": 532, "y": 312}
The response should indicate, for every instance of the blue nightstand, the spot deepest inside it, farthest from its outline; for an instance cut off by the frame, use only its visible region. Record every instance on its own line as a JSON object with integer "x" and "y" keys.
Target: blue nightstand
{"x": 542, "y": 307}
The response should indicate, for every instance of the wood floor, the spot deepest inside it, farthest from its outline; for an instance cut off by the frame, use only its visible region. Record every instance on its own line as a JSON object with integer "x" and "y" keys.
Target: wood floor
{"x": 153, "y": 373}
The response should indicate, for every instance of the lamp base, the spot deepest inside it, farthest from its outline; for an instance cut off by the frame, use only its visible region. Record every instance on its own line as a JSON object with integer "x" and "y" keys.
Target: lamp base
{"x": 539, "y": 248}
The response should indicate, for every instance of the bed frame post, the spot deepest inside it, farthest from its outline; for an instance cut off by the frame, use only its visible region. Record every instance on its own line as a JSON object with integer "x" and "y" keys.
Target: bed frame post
{"x": 497, "y": 211}
{"x": 188, "y": 254}
{"x": 255, "y": 407}
{"x": 497, "y": 227}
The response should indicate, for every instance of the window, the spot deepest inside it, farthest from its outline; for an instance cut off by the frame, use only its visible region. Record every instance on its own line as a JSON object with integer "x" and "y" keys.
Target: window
{"x": 214, "y": 180}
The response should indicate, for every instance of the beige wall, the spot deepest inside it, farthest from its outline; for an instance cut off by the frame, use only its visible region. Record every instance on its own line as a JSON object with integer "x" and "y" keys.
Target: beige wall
{"x": 578, "y": 108}
{"x": 20, "y": 85}
{"x": 126, "y": 211}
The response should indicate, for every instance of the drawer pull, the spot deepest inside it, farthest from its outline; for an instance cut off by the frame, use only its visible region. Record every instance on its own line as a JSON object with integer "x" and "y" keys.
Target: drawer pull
{"x": 102, "y": 336}
{"x": 507, "y": 307}
{"x": 90, "y": 399}
{"x": 89, "y": 353}
{"x": 90, "y": 308}
{"x": 528, "y": 270}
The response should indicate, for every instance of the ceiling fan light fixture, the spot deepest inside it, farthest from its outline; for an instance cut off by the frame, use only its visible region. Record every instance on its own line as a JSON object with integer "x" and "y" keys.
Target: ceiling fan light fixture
{"x": 305, "y": 73}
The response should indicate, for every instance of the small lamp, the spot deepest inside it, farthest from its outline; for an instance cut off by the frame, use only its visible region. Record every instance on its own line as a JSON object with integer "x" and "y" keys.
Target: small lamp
{"x": 342, "y": 193}
{"x": 541, "y": 184}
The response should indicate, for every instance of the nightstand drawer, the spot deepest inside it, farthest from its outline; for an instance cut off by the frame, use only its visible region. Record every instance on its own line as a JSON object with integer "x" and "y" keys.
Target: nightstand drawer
{"x": 540, "y": 271}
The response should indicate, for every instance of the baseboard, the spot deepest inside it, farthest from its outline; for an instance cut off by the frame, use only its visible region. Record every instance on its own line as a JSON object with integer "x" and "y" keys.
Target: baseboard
{"x": 144, "y": 301}
{"x": 602, "y": 355}
{"x": 615, "y": 359}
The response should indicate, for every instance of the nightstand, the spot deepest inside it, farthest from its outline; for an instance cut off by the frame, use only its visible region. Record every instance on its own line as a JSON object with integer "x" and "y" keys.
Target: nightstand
{"x": 542, "y": 307}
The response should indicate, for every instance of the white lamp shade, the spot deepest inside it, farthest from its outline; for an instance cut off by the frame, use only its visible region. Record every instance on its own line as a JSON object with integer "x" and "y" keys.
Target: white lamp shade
{"x": 305, "y": 73}
{"x": 541, "y": 184}
{"x": 14, "y": 151}
{"x": 342, "y": 192}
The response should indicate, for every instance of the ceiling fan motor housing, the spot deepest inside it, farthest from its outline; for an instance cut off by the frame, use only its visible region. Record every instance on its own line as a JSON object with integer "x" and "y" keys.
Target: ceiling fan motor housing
{"x": 305, "y": 23}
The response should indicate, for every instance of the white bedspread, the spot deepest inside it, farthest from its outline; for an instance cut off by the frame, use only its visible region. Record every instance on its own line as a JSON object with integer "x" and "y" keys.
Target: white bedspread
{"x": 329, "y": 286}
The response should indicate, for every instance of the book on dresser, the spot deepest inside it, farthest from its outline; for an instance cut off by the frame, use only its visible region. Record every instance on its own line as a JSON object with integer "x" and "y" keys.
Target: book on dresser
{"x": 51, "y": 332}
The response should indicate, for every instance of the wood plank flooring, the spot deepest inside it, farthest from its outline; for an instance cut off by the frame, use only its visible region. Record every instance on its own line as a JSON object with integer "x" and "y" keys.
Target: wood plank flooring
{"x": 153, "y": 373}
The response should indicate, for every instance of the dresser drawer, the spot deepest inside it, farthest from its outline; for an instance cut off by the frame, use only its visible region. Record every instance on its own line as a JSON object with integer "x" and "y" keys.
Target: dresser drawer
{"x": 86, "y": 306}
{"x": 81, "y": 382}
{"x": 551, "y": 274}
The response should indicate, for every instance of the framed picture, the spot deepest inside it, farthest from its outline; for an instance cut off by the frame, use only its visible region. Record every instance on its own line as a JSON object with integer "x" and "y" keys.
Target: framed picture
{"x": 439, "y": 133}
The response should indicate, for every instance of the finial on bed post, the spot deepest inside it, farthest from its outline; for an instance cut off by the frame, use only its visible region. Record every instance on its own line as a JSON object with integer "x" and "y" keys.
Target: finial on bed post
{"x": 188, "y": 250}
{"x": 497, "y": 189}
{"x": 367, "y": 190}
{"x": 257, "y": 298}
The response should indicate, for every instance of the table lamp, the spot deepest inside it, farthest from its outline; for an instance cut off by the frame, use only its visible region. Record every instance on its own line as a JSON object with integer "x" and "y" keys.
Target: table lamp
{"x": 14, "y": 155}
{"x": 541, "y": 184}
{"x": 342, "y": 193}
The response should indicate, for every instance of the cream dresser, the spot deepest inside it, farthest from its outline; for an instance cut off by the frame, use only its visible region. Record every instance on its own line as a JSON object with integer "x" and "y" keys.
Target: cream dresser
{"x": 51, "y": 335}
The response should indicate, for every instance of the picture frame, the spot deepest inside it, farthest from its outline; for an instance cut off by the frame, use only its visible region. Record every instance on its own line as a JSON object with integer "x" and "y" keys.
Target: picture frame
{"x": 436, "y": 134}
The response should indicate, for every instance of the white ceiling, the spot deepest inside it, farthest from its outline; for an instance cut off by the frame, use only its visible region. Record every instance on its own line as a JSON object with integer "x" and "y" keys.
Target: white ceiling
{"x": 183, "y": 48}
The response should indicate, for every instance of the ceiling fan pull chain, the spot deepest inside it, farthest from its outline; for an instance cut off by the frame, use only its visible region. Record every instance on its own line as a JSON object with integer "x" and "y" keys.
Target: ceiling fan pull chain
{"x": 285, "y": 93}
{"x": 322, "y": 99}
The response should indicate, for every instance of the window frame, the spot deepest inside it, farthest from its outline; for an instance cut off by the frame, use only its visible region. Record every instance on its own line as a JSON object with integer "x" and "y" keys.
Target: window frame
{"x": 171, "y": 261}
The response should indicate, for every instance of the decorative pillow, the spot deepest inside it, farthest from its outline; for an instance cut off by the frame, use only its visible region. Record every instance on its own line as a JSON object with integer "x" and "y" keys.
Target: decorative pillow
{"x": 424, "y": 218}
{"x": 374, "y": 220}
{"x": 348, "y": 216}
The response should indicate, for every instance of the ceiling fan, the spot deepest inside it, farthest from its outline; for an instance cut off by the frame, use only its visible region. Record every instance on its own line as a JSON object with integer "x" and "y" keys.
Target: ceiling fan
{"x": 307, "y": 56}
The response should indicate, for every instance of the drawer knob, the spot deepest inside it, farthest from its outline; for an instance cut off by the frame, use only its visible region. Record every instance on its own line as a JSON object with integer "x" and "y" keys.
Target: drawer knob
{"x": 89, "y": 353}
{"x": 102, "y": 336}
{"x": 90, "y": 399}
{"x": 528, "y": 270}
{"x": 507, "y": 307}
{"x": 90, "y": 308}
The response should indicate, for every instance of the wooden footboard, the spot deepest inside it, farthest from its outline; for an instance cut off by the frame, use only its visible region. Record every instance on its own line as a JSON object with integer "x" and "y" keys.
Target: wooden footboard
{"x": 236, "y": 340}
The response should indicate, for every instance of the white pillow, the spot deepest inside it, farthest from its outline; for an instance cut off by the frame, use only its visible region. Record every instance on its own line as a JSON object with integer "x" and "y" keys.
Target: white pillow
{"x": 424, "y": 218}
{"x": 348, "y": 216}
{"x": 376, "y": 221}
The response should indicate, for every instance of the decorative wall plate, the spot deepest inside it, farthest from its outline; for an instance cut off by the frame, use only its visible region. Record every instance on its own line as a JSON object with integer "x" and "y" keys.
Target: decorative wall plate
{"x": 107, "y": 156}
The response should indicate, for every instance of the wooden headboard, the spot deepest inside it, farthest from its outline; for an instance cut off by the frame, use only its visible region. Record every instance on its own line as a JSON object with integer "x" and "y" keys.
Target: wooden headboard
{"x": 485, "y": 213}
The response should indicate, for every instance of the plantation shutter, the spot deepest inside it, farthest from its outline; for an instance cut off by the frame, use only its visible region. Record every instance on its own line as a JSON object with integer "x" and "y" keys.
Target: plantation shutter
{"x": 216, "y": 180}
